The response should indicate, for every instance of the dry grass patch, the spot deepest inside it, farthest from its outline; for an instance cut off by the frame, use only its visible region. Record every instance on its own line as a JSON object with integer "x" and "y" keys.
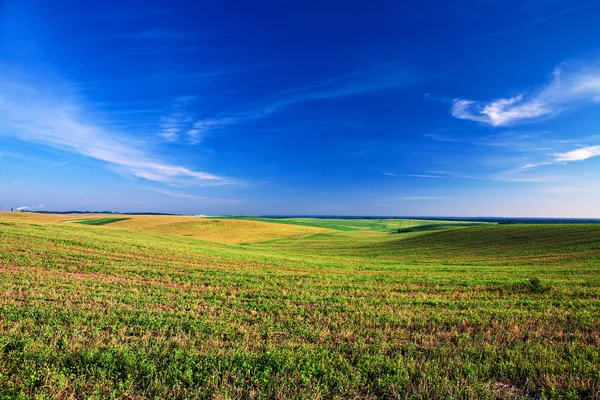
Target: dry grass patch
{"x": 215, "y": 230}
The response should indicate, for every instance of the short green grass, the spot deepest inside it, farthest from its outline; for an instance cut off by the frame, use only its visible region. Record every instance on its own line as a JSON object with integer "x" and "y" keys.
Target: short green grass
{"x": 486, "y": 312}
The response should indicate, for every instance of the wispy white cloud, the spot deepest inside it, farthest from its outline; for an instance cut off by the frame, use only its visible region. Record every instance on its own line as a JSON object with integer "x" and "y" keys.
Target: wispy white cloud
{"x": 360, "y": 152}
{"x": 422, "y": 198}
{"x": 578, "y": 154}
{"x": 415, "y": 175}
{"x": 453, "y": 174}
{"x": 4, "y": 154}
{"x": 184, "y": 195}
{"x": 393, "y": 201}
{"x": 156, "y": 34}
{"x": 59, "y": 164}
{"x": 201, "y": 128}
{"x": 387, "y": 76}
{"x": 173, "y": 124}
{"x": 534, "y": 148}
{"x": 534, "y": 165}
{"x": 424, "y": 176}
{"x": 175, "y": 76}
{"x": 195, "y": 197}
{"x": 381, "y": 77}
{"x": 571, "y": 86}
{"x": 195, "y": 135}
{"x": 50, "y": 118}
{"x": 10, "y": 184}
{"x": 441, "y": 137}
{"x": 516, "y": 175}
{"x": 513, "y": 140}
{"x": 538, "y": 20}
{"x": 529, "y": 149}
{"x": 500, "y": 112}
{"x": 525, "y": 176}
{"x": 180, "y": 122}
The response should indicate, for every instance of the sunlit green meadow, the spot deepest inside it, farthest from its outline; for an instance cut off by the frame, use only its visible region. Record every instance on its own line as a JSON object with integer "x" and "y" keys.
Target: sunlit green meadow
{"x": 173, "y": 307}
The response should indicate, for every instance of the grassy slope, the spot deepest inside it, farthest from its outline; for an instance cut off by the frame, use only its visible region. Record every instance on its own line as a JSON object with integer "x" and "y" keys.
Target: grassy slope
{"x": 492, "y": 244}
{"x": 358, "y": 224}
{"x": 213, "y": 229}
{"x": 96, "y": 311}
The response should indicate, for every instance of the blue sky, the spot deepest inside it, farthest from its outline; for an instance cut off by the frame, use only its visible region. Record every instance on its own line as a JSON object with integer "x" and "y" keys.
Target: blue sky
{"x": 470, "y": 108}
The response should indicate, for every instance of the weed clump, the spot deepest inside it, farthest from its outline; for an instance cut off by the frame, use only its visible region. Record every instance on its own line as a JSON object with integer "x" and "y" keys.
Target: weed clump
{"x": 535, "y": 285}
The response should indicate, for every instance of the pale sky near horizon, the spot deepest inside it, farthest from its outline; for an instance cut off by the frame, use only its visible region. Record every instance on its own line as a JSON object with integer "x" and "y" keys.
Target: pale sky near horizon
{"x": 470, "y": 108}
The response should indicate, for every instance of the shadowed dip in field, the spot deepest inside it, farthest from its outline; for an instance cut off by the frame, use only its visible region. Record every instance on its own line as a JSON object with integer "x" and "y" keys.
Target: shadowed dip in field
{"x": 98, "y": 221}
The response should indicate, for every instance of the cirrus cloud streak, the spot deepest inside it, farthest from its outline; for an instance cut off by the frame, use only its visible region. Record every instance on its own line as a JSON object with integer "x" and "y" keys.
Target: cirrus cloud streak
{"x": 50, "y": 118}
{"x": 571, "y": 86}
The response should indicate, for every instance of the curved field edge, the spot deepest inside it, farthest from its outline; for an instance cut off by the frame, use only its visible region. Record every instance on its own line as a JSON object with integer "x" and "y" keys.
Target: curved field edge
{"x": 365, "y": 224}
{"x": 96, "y": 312}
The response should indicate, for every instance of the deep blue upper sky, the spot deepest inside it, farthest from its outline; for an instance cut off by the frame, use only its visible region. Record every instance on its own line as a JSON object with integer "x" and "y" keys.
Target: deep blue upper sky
{"x": 470, "y": 108}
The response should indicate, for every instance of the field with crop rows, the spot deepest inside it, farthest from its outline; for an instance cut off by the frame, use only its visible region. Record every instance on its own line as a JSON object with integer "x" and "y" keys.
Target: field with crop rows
{"x": 186, "y": 307}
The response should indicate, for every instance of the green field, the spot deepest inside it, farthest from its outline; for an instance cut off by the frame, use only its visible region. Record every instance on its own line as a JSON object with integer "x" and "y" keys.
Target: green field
{"x": 170, "y": 307}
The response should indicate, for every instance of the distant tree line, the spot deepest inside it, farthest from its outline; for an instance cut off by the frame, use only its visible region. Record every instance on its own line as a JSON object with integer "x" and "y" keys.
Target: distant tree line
{"x": 100, "y": 212}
